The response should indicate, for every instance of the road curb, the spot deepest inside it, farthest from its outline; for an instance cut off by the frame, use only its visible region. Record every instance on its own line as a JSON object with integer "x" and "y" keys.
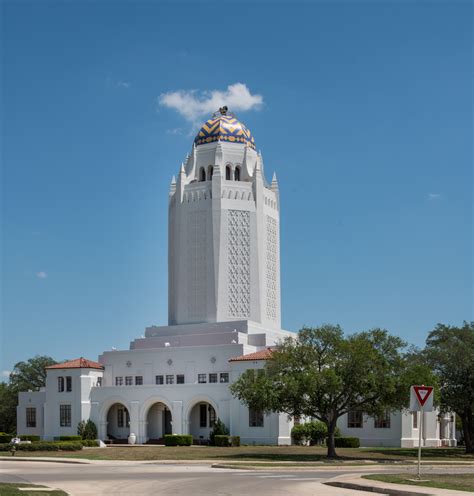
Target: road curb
{"x": 44, "y": 460}
{"x": 374, "y": 489}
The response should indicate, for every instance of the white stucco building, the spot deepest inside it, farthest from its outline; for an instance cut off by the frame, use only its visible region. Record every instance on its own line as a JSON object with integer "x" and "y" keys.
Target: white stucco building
{"x": 224, "y": 313}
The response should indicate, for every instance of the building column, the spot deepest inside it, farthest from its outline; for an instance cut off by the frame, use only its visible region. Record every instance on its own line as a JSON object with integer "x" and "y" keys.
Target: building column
{"x": 177, "y": 417}
{"x": 134, "y": 418}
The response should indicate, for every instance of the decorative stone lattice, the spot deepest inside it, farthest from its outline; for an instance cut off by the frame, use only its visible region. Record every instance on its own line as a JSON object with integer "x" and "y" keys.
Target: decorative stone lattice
{"x": 271, "y": 268}
{"x": 239, "y": 263}
{"x": 197, "y": 265}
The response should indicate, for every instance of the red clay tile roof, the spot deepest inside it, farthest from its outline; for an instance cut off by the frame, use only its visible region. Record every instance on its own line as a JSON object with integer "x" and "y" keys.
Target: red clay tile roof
{"x": 258, "y": 355}
{"x": 78, "y": 363}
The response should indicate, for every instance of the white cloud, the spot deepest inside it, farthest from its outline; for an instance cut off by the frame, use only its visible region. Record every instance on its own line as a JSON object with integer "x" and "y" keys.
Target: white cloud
{"x": 6, "y": 373}
{"x": 192, "y": 104}
{"x": 123, "y": 84}
{"x": 41, "y": 275}
{"x": 175, "y": 131}
{"x": 434, "y": 196}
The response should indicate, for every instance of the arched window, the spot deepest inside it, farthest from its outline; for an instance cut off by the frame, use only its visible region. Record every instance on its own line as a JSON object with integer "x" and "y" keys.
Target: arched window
{"x": 228, "y": 172}
{"x": 237, "y": 174}
{"x": 210, "y": 172}
{"x": 202, "y": 174}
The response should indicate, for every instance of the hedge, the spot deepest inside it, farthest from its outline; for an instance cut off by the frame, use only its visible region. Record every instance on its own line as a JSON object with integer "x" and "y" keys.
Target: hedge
{"x": 43, "y": 446}
{"x": 178, "y": 440}
{"x": 5, "y": 438}
{"x": 226, "y": 441}
{"x": 221, "y": 440}
{"x": 347, "y": 442}
{"x": 68, "y": 438}
{"x": 90, "y": 443}
{"x": 27, "y": 437}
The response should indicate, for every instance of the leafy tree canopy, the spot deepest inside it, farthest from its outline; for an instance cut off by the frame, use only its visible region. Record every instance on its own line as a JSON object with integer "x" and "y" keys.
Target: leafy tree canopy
{"x": 450, "y": 352}
{"x": 325, "y": 374}
{"x": 30, "y": 374}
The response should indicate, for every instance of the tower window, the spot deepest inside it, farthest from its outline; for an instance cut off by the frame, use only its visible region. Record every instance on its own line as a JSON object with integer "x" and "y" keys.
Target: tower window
{"x": 31, "y": 417}
{"x": 202, "y": 174}
{"x": 68, "y": 383}
{"x": 228, "y": 173}
{"x": 210, "y": 172}
{"x": 237, "y": 174}
{"x": 60, "y": 384}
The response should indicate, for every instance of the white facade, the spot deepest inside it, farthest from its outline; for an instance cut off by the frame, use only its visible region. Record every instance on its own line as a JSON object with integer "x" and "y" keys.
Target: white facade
{"x": 224, "y": 302}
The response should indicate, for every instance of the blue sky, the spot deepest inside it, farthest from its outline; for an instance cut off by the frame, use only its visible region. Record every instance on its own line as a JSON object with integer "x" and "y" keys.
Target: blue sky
{"x": 365, "y": 115}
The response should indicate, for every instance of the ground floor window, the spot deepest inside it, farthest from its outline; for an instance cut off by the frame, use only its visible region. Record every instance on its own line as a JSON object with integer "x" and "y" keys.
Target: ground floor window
{"x": 255, "y": 418}
{"x": 31, "y": 417}
{"x": 354, "y": 420}
{"x": 213, "y": 378}
{"x": 202, "y": 378}
{"x": 65, "y": 415}
{"x": 123, "y": 417}
{"x": 159, "y": 380}
{"x": 180, "y": 379}
{"x": 118, "y": 381}
{"x": 139, "y": 380}
{"x": 128, "y": 380}
{"x": 382, "y": 421}
{"x": 170, "y": 379}
{"x": 203, "y": 415}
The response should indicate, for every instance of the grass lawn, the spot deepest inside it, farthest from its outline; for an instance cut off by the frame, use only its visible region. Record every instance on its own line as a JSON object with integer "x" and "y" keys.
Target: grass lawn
{"x": 255, "y": 453}
{"x": 459, "y": 482}
{"x": 7, "y": 489}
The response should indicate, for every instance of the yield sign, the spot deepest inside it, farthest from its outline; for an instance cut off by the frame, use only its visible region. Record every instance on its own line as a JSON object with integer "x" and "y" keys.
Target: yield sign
{"x": 423, "y": 393}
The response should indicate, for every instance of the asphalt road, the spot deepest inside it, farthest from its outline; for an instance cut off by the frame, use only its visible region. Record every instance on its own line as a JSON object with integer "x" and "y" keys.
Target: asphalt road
{"x": 131, "y": 478}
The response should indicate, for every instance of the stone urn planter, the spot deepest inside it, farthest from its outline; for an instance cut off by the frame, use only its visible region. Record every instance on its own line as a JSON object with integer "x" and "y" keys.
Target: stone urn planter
{"x": 132, "y": 439}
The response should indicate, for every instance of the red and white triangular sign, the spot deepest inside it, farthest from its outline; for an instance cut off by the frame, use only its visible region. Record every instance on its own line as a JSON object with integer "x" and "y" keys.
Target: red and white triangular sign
{"x": 423, "y": 393}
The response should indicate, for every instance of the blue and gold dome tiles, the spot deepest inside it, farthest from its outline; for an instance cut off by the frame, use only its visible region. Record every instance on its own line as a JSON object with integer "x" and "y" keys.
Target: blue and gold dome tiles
{"x": 224, "y": 128}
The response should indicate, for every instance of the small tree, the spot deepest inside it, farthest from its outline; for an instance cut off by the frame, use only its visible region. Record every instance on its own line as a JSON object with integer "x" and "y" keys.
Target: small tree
{"x": 324, "y": 375}
{"x": 219, "y": 429}
{"x": 87, "y": 429}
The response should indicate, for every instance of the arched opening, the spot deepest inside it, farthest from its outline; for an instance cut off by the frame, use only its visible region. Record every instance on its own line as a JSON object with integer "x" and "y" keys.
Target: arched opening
{"x": 210, "y": 172}
{"x": 202, "y": 418}
{"x": 159, "y": 422}
{"x": 228, "y": 172}
{"x": 237, "y": 174}
{"x": 202, "y": 174}
{"x": 118, "y": 423}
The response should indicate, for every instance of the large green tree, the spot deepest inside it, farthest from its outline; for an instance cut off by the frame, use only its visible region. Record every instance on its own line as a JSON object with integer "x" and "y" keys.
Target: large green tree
{"x": 25, "y": 376}
{"x": 450, "y": 352}
{"x": 30, "y": 374}
{"x": 324, "y": 374}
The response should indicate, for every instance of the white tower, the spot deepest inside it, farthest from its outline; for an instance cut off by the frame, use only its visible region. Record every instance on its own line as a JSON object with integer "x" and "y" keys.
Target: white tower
{"x": 224, "y": 223}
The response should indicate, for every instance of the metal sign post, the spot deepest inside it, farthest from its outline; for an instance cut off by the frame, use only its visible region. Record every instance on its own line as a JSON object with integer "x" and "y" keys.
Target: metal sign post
{"x": 419, "y": 443}
{"x": 421, "y": 400}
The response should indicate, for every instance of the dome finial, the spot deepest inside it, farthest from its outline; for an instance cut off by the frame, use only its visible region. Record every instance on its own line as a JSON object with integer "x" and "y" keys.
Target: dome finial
{"x": 223, "y": 110}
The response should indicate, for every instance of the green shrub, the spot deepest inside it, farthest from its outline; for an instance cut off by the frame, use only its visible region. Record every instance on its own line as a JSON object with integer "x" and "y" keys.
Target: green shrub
{"x": 44, "y": 446}
{"x": 221, "y": 440}
{"x": 347, "y": 442}
{"x": 299, "y": 433}
{"x": 234, "y": 441}
{"x": 28, "y": 437}
{"x": 90, "y": 443}
{"x": 87, "y": 429}
{"x": 4, "y": 437}
{"x": 219, "y": 429}
{"x": 316, "y": 432}
{"x": 68, "y": 438}
{"x": 178, "y": 440}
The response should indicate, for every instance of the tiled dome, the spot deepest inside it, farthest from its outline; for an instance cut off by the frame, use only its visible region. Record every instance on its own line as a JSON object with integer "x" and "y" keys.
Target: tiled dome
{"x": 224, "y": 127}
